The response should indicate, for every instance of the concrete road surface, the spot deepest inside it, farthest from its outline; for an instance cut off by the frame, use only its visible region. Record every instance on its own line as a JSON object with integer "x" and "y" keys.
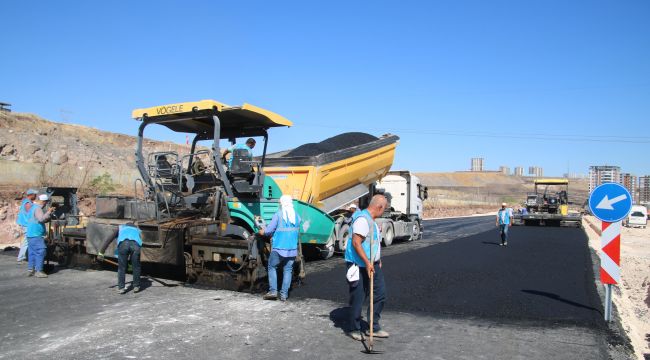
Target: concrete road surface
{"x": 453, "y": 295}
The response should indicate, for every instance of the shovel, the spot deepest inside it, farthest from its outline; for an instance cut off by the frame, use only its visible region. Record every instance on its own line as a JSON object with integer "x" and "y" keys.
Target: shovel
{"x": 369, "y": 347}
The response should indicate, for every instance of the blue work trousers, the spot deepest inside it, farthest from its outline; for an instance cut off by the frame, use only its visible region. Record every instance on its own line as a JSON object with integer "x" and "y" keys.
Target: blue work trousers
{"x": 275, "y": 261}
{"x": 23, "y": 245}
{"x": 503, "y": 229}
{"x": 125, "y": 249}
{"x": 36, "y": 253}
{"x": 360, "y": 291}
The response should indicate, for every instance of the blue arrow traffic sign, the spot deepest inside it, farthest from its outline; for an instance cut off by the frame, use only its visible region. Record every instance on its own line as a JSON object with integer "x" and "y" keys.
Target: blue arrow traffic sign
{"x": 610, "y": 202}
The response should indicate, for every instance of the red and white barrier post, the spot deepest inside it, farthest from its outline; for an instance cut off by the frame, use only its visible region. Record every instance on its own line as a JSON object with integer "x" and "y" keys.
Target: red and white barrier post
{"x": 610, "y": 261}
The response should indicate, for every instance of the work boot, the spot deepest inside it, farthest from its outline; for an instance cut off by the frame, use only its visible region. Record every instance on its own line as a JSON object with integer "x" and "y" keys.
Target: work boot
{"x": 356, "y": 335}
{"x": 283, "y": 299}
{"x": 378, "y": 333}
{"x": 136, "y": 289}
{"x": 30, "y": 272}
{"x": 40, "y": 274}
{"x": 121, "y": 291}
{"x": 270, "y": 296}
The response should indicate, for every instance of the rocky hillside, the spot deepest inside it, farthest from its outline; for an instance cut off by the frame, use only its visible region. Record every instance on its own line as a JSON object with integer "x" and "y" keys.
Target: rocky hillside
{"x": 35, "y": 152}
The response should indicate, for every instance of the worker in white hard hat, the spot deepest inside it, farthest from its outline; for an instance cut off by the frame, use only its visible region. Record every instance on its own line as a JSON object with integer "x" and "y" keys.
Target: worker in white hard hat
{"x": 504, "y": 221}
{"x": 36, "y": 231}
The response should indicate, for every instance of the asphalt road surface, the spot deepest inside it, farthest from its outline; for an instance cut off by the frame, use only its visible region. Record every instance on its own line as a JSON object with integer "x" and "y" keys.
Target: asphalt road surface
{"x": 455, "y": 294}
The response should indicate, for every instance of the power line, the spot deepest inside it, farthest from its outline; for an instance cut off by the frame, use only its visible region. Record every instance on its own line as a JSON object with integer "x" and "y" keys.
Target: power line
{"x": 522, "y": 136}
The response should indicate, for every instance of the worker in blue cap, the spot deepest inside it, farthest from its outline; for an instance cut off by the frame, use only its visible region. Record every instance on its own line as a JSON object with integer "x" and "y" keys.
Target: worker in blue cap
{"x": 21, "y": 220}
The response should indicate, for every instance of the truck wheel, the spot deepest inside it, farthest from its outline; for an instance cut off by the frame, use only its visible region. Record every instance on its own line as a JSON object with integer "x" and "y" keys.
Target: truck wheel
{"x": 416, "y": 234}
{"x": 327, "y": 250}
{"x": 388, "y": 236}
{"x": 342, "y": 238}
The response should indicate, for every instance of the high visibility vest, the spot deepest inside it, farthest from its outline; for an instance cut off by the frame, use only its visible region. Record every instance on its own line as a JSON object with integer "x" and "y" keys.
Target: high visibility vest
{"x": 127, "y": 232}
{"x": 239, "y": 147}
{"x": 34, "y": 228}
{"x": 504, "y": 216}
{"x": 350, "y": 253}
{"x": 22, "y": 218}
{"x": 286, "y": 234}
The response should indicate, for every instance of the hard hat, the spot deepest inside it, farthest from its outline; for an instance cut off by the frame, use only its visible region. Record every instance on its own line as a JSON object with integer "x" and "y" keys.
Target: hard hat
{"x": 43, "y": 197}
{"x": 32, "y": 192}
{"x": 503, "y": 204}
{"x": 352, "y": 206}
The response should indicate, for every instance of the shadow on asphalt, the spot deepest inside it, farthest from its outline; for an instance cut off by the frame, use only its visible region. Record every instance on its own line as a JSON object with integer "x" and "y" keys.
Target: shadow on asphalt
{"x": 491, "y": 243}
{"x": 561, "y": 299}
{"x": 339, "y": 318}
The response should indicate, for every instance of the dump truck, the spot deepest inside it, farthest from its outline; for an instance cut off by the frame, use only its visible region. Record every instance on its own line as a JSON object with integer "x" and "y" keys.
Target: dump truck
{"x": 198, "y": 215}
{"x": 548, "y": 207}
{"x": 329, "y": 178}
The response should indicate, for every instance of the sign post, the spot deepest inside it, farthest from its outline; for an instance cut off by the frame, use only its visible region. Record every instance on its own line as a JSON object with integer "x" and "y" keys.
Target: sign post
{"x": 610, "y": 203}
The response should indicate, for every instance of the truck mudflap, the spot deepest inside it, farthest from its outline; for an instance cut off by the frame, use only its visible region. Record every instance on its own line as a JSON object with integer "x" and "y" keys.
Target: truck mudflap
{"x": 544, "y": 219}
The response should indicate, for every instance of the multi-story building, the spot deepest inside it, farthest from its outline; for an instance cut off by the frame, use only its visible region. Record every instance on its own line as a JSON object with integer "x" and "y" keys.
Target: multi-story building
{"x": 629, "y": 181}
{"x": 535, "y": 171}
{"x": 519, "y": 171}
{"x": 644, "y": 189}
{"x": 504, "y": 170}
{"x": 599, "y": 175}
{"x": 477, "y": 164}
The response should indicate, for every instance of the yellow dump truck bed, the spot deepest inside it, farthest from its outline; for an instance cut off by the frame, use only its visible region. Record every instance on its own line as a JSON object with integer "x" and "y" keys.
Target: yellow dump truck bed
{"x": 333, "y": 179}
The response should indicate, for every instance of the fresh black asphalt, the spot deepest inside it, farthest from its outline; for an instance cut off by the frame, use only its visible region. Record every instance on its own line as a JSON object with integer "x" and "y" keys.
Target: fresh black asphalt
{"x": 544, "y": 276}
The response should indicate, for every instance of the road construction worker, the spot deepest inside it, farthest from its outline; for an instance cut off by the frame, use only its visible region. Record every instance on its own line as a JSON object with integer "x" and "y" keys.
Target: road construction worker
{"x": 35, "y": 232}
{"x": 250, "y": 144}
{"x": 129, "y": 242}
{"x": 285, "y": 230}
{"x": 357, "y": 257}
{"x": 504, "y": 221}
{"x": 21, "y": 220}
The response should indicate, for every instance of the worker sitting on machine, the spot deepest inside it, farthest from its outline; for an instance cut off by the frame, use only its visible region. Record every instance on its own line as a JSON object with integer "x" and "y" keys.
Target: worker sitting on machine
{"x": 239, "y": 153}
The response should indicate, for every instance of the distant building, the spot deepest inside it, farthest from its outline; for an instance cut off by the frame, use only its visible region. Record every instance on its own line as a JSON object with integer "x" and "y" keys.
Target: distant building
{"x": 644, "y": 189}
{"x": 599, "y": 175}
{"x": 519, "y": 171}
{"x": 535, "y": 171}
{"x": 5, "y": 107}
{"x": 629, "y": 181}
{"x": 477, "y": 164}
{"x": 574, "y": 176}
{"x": 504, "y": 170}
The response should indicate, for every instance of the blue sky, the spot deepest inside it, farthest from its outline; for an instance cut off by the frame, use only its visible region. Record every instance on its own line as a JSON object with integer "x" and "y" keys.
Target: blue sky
{"x": 558, "y": 84}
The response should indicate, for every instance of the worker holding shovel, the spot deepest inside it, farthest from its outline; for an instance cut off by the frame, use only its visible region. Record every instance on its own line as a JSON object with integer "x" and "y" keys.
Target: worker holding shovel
{"x": 365, "y": 276}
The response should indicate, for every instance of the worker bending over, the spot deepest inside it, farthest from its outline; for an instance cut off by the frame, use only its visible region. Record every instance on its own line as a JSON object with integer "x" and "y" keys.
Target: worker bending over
{"x": 359, "y": 265}
{"x": 129, "y": 242}
{"x": 285, "y": 230}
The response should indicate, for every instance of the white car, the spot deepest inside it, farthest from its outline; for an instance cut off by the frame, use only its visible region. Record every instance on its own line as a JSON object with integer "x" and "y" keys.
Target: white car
{"x": 638, "y": 217}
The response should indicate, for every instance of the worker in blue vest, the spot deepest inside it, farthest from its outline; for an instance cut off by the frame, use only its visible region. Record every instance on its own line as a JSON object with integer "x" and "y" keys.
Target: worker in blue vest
{"x": 359, "y": 266}
{"x": 35, "y": 232}
{"x": 250, "y": 144}
{"x": 21, "y": 220}
{"x": 504, "y": 221}
{"x": 129, "y": 242}
{"x": 285, "y": 230}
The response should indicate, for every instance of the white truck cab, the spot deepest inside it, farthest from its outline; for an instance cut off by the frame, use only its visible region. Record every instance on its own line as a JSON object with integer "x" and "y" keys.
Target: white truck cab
{"x": 406, "y": 195}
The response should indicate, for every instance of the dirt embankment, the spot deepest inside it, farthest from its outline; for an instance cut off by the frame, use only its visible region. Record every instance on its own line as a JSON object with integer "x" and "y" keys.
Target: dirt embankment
{"x": 482, "y": 189}
{"x": 38, "y": 153}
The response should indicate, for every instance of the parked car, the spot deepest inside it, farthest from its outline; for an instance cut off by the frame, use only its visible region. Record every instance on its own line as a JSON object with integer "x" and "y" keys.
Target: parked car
{"x": 638, "y": 217}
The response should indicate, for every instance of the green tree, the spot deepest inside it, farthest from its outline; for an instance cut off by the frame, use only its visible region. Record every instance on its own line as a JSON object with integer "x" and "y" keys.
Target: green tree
{"x": 103, "y": 184}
